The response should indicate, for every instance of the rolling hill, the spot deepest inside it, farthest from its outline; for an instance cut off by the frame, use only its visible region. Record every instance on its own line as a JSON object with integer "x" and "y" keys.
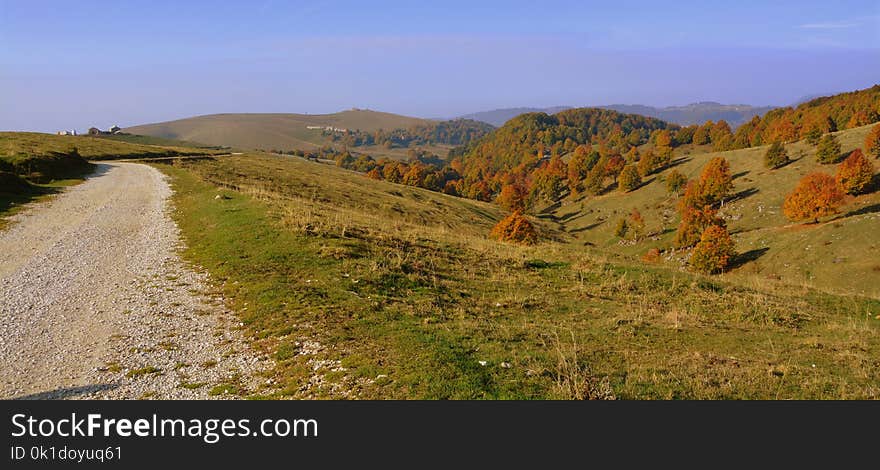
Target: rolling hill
{"x": 840, "y": 255}
{"x": 696, "y": 113}
{"x": 369, "y": 289}
{"x": 272, "y": 131}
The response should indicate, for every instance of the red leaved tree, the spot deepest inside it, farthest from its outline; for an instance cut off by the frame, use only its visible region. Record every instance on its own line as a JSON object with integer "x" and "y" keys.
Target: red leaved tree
{"x": 855, "y": 173}
{"x": 816, "y": 195}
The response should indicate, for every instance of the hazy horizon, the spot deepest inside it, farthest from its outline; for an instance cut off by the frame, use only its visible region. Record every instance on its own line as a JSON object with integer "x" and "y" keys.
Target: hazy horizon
{"x": 141, "y": 62}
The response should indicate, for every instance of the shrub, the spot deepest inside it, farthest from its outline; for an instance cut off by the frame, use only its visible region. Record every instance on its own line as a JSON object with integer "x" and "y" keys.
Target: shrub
{"x": 775, "y": 156}
{"x": 828, "y": 150}
{"x": 621, "y": 229}
{"x": 855, "y": 173}
{"x": 872, "y": 142}
{"x": 652, "y": 256}
{"x": 629, "y": 179}
{"x": 816, "y": 195}
{"x": 714, "y": 251}
{"x": 515, "y": 228}
{"x": 675, "y": 181}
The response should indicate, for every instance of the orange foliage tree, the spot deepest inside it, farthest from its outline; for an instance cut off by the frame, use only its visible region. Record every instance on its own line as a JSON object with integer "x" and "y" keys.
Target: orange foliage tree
{"x": 817, "y": 195}
{"x": 716, "y": 182}
{"x": 629, "y": 179}
{"x": 515, "y": 228}
{"x": 513, "y": 197}
{"x": 714, "y": 251}
{"x": 872, "y": 142}
{"x": 855, "y": 173}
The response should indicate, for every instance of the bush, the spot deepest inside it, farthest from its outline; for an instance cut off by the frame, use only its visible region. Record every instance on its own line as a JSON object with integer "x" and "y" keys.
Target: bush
{"x": 855, "y": 173}
{"x": 675, "y": 181}
{"x": 629, "y": 179}
{"x": 828, "y": 150}
{"x": 652, "y": 256}
{"x": 515, "y": 228}
{"x": 621, "y": 229}
{"x": 816, "y": 195}
{"x": 775, "y": 156}
{"x": 714, "y": 251}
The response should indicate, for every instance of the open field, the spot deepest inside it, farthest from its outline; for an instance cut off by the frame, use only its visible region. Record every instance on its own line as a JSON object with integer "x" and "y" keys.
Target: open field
{"x": 271, "y": 131}
{"x": 840, "y": 255}
{"x": 367, "y": 289}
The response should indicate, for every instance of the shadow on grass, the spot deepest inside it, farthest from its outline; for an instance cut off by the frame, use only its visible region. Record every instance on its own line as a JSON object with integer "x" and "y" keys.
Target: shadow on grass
{"x": 748, "y": 257}
{"x": 864, "y": 210}
{"x": 67, "y": 392}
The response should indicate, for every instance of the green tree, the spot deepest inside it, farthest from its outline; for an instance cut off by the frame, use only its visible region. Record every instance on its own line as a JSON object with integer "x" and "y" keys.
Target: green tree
{"x": 828, "y": 150}
{"x": 629, "y": 179}
{"x": 775, "y": 156}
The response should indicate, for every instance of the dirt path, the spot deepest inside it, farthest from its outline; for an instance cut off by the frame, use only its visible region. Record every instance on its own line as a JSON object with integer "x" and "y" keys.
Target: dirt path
{"x": 95, "y": 302}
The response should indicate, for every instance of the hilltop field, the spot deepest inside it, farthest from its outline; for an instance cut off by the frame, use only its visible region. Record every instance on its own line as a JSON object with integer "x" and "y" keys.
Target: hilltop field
{"x": 368, "y": 289}
{"x": 272, "y": 131}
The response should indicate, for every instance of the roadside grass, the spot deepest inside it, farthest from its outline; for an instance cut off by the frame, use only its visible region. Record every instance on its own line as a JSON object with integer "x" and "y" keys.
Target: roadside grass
{"x": 365, "y": 289}
{"x": 839, "y": 257}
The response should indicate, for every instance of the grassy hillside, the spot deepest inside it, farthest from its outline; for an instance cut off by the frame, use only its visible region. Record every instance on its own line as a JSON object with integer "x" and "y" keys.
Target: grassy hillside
{"x": 33, "y": 165}
{"x": 152, "y": 140}
{"x": 841, "y": 255}
{"x": 34, "y": 145}
{"x": 271, "y": 131}
{"x": 367, "y": 289}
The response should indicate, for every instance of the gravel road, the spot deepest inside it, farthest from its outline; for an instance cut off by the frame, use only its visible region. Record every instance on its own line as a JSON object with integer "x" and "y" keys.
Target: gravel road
{"x": 96, "y": 303}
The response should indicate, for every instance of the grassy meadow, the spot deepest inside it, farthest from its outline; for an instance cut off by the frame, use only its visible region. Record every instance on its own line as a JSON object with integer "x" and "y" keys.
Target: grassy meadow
{"x": 366, "y": 289}
{"x": 841, "y": 254}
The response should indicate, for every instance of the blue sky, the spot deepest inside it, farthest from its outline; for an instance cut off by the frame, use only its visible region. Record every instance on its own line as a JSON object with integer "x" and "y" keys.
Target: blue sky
{"x": 71, "y": 65}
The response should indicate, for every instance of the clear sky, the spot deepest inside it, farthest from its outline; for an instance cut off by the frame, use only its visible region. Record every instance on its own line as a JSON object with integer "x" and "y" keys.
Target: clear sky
{"x": 75, "y": 64}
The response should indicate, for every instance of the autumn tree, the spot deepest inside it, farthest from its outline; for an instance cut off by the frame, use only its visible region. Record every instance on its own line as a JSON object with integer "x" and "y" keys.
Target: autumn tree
{"x": 580, "y": 164}
{"x": 714, "y": 252}
{"x": 629, "y": 179}
{"x": 816, "y": 195}
{"x": 872, "y": 142}
{"x": 512, "y": 197}
{"x": 675, "y": 181}
{"x": 694, "y": 220}
{"x": 595, "y": 181}
{"x": 716, "y": 181}
{"x": 648, "y": 163}
{"x": 515, "y": 228}
{"x": 775, "y": 156}
{"x": 855, "y": 173}
{"x": 828, "y": 150}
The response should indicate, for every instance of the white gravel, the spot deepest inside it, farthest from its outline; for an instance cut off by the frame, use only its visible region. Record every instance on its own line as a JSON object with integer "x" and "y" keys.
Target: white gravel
{"x": 96, "y": 303}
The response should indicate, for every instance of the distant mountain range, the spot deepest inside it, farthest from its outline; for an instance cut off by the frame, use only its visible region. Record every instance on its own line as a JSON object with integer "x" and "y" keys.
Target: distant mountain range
{"x": 696, "y": 113}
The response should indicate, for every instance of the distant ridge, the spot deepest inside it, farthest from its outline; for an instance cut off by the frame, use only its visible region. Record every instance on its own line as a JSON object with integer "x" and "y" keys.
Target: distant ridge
{"x": 271, "y": 130}
{"x": 695, "y": 113}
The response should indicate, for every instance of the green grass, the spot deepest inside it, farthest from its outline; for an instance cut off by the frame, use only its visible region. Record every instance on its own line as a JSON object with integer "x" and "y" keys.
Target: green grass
{"x": 365, "y": 289}
{"x": 143, "y": 371}
{"x": 842, "y": 256}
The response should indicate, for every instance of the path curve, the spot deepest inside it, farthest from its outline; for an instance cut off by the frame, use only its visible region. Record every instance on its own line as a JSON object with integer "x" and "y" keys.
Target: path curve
{"x": 96, "y": 303}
